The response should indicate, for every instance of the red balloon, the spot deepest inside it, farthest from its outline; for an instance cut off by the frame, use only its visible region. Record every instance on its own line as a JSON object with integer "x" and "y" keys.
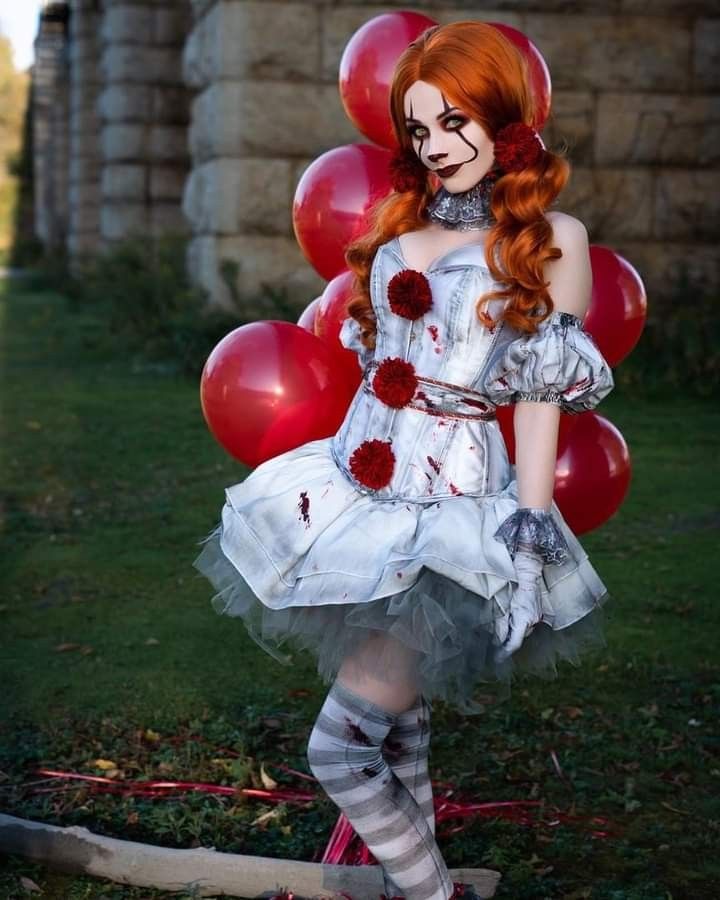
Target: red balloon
{"x": 332, "y": 201}
{"x": 618, "y": 308}
{"x": 592, "y": 476}
{"x": 366, "y": 71}
{"x": 331, "y": 313}
{"x": 538, "y": 72}
{"x": 307, "y": 316}
{"x": 269, "y": 387}
{"x": 505, "y": 415}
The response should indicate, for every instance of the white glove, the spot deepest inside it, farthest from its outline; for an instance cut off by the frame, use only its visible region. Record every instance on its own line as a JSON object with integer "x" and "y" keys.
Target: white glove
{"x": 525, "y": 609}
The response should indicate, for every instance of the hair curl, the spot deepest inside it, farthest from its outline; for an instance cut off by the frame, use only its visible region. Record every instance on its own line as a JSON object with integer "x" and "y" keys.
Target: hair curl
{"x": 481, "y": 71}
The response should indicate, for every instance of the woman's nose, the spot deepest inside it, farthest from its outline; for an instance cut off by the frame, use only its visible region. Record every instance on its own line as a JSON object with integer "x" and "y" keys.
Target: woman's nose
{"x": 436, "y": 157}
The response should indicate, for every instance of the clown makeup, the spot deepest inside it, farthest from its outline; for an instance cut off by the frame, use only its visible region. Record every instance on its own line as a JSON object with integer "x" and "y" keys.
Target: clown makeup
{"x": 447, "y": 140}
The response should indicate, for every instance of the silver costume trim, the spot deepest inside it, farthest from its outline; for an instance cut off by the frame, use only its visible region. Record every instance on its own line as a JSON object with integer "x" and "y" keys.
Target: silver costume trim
{"x": 466, "y": 211}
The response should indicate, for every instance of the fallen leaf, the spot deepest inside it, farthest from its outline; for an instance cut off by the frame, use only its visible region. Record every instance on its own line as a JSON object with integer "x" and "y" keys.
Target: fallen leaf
{"x": 61, "y": 648}
{"x": 29, "y": 885}
{"x": 268, "y": 783}
{"x": 105, "y": 764}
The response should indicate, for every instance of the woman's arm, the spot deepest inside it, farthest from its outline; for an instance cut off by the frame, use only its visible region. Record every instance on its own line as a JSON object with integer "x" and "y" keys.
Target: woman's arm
{"x": 536, "y": 422}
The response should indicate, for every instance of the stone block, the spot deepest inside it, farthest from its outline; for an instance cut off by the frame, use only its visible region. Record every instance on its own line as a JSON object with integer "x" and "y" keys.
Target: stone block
{"x": 121, "y": 220}
{"x": 255, "y": 40}
{"x": 610, "y": 200}
{"x": 142, "y": 64}
{"x": 612, "y": 52}
{"x": 234, "y": 119}
{"x": 686, "y": 205}
{"x": 672, "y": 129}
{"x": 128, "y": 24}
{"x": 227, "y": 196}
{"x": 126, "y": 103}
{"x": 706, "y": 54}
{"x": 571, "y": 125}
{"x": 168, "y": 183}
{"x": 167, "y": 219}
{"x": 84, "y": 125}
{"x": 124, "y": 141}
{"x": 339, "y": 25}
{"x": 665, "y": 266}
{"x": 172, "y": 24}
{"x": 506, "y": 17}
{"x": 124, "y": 182}
{"x": 274, "y": 262}
{"x": 85, "y": 169}
{"x": 85, "y": 219}
{"x": 170, "y": 105}
{"x": 168, "y": 143}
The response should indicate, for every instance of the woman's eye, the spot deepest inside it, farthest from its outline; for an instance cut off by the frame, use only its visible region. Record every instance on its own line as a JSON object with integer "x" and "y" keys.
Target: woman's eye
{"x": 418, "y": 131}
{"x": 459, "y": 122}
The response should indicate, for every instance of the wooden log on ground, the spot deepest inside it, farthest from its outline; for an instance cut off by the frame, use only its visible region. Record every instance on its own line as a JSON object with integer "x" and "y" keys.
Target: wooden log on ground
{"x": 203, "y": 870}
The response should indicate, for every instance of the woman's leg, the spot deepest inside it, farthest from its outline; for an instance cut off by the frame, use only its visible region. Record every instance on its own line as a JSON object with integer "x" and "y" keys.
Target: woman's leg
{"x": 345, "y": 752}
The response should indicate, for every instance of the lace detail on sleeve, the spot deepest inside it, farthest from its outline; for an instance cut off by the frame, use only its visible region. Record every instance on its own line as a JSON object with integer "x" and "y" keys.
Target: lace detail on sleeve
{"x": 535, "y": 531}
{"x": 560, "y": 364}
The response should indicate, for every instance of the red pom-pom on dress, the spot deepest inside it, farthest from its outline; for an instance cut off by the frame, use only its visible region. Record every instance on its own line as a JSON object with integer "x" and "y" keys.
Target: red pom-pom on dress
{"x": 409, "y": 294}
{"x": 372, "y": 463}
{"x": 395, "y": 382}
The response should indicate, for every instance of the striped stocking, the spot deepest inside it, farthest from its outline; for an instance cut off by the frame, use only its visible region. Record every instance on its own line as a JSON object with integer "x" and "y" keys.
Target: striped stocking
{"x": 345, "y": 753}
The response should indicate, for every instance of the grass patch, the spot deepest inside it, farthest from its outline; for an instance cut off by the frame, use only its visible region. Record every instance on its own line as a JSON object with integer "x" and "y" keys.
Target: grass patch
{"x": 111, "y": 650}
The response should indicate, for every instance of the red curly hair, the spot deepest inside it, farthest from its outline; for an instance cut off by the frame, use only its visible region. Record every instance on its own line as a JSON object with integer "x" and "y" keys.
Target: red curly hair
{"x": 481, "y": 71}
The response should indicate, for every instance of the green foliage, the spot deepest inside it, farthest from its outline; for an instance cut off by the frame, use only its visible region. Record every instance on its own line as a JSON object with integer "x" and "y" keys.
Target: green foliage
{"x": 678, "y": 347}
{"x": 142, "y": 290}
{"x": 108, "y": 479}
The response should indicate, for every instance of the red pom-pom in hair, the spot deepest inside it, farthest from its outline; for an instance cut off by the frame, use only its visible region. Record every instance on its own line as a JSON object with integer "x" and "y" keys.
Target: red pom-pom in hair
{"x": 395, "y": 382}
{"x": 407, "y": 173}
{"x": 372, "y": 463}
{"x": 409, "y": 294}
{"x": 517, "y": 146}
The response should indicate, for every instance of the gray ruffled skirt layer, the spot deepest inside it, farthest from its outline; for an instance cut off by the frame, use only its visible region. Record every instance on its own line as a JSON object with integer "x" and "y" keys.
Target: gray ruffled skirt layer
{"x": 406, "y": 591}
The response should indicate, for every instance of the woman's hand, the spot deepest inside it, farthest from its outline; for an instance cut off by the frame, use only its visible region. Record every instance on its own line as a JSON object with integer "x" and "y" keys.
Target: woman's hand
{"x": 525, "y": 609}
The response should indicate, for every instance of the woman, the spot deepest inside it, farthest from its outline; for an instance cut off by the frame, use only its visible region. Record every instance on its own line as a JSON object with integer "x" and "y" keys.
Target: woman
{"x": 405, "y": 551}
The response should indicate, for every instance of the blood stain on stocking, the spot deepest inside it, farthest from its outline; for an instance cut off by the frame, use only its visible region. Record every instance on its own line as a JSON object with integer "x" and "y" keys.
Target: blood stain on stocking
{"x": 393, "y": 748}
{"x": 304, "y": 507}
{"x": 357, "y": 733}
{"x": 369, "y": 772}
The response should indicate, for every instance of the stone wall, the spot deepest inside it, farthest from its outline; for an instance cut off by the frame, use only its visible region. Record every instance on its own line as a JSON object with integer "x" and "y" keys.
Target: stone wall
{"x": 143, "y": 110}
{"x": 635, "y": 96}
{"x": 50, "y": 127}
{"x": 85, "y": 162}
{"x": 204, "y": 113}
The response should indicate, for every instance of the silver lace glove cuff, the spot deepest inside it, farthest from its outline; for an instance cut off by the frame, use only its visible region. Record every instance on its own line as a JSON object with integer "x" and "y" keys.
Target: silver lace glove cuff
{"x": 534, "y": 531}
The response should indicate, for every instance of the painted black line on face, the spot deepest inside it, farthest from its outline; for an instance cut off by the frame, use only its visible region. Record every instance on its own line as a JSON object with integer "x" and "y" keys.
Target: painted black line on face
{"x": 458, "y": 132}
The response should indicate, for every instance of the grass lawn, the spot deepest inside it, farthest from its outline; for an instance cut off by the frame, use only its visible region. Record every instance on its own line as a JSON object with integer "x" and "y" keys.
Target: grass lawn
{"x": 111, "y": 652}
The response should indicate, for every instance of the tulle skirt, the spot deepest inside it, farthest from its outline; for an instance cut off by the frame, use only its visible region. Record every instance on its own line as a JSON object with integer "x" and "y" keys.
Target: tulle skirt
{"x": 436, "y": 632}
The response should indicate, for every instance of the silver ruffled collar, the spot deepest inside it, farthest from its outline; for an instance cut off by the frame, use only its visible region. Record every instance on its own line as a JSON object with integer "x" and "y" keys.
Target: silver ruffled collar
{"x": 466, "y": 211}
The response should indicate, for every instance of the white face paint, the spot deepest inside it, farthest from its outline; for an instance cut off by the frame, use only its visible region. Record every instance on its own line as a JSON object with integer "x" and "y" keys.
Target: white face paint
{"x": 443, "y": 135}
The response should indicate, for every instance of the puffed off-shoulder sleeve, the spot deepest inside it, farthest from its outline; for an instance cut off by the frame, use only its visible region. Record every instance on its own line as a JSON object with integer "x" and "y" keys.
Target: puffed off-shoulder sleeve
{"x": 560, "y": 364}
{"x": 350, "y": 339}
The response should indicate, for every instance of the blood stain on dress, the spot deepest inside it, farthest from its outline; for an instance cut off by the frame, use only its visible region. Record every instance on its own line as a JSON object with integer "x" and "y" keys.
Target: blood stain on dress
{"x": 399, "y": 574}
{"x": 435, "y": 464}
{"x": 304, "y": 507}
{"x": 433, "y": 329}
{"x": 453, "y": 489}
{"x": 330, "y": 483}
{"x": 471, "y": 447}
